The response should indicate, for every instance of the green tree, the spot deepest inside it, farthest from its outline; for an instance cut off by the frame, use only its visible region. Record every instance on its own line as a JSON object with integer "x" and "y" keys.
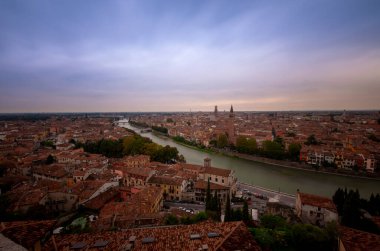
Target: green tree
{"x": 272, "y": 221}
{"x": 186, "y": 220}
{"x": 50, "y": 159}
{"x": 245, "y": 212}
{"x": 351, "y": 209}
{"x": 237, "y": 214}
{"x": 279, "y": 141}
{"x": 246, "y": 145}
{"x": 338, "y": 198}
{"x": 227, "y": 213}
{"x": 201, "y": 216}
{"x": 208, "y": 196}
{"x": 171, "y": 219}
{"x": 294, "y": 150}
{"x": 273, "y": 149}
{"x": 309, "y": 237}
{"x": 311, "y": 140}
{"x": 222, "y": 141}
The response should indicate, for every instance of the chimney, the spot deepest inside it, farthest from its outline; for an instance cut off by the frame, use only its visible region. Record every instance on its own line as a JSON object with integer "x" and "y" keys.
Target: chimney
{"x": 207, "y": 162}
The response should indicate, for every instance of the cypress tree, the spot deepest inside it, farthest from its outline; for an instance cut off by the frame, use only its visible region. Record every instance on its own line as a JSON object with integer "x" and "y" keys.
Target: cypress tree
{"x": 215, "y": 202}
{"x": 208, "y": 196}
{"x": 245, "y": 212}
{"x": 227, "y": 213}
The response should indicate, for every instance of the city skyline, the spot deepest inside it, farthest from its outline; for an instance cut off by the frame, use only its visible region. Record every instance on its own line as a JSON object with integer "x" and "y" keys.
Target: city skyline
{"x": 134, "y": 56}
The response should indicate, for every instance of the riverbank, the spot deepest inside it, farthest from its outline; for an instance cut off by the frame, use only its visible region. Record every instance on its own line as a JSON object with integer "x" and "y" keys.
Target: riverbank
{"x": 280, "y": 163}
{"x": 295, "y": 165}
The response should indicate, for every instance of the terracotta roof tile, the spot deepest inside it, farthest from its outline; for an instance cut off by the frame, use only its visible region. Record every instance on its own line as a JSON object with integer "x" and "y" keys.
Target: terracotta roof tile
{"x": 356, "y": 240}
{"x": 26, "y": 233}
{"x": 230, "y": 234}
{"x": 317, "y": 201}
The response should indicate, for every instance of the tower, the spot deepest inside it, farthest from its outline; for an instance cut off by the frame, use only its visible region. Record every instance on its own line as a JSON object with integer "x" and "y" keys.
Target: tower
{"x": 216, "y": 110}
{"x": 231, "y": 126}
{"x": 207, "y": 162}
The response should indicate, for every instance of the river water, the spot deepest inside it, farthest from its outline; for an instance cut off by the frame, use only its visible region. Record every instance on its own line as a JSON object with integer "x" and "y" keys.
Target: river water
{"x": 269, "y": 176}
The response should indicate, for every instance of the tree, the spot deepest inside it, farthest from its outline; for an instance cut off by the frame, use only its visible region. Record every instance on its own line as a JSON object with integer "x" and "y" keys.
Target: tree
{"x": 272, "y": 221}
{"x": 309, "y": 237}
{"x": 280, "y": 141}
{"x": 166, "y": 154}
{"x": 351, "y": 209}
{"x": 273, "y": 149}
{"x": 171, "y": 219}
{"x": 246, "y": 145}
{"x": 201, "y": 216}
{"x": 246, "y": 216}
{"x": 227, "y": 213}
{"x": 294, "y": 150}
{"x": 338, "y": 198}
{"x": 311, "y": 140}
{"x": 222, "y": 141}
{"x": 237, "y": 214}
{"x": 50, "y": 159}
{"x": 214, "y": 202}
{"x": 208, "y": 196}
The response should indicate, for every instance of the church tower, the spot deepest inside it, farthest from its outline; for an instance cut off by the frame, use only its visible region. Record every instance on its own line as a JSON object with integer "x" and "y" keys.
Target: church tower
{"x": 231, "y": 126}
{"x": 231, "y": 112}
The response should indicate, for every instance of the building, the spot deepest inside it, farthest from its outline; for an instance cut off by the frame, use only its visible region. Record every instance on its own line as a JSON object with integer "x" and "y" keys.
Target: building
{"x": 350, "y": 239}
{"x": 142, "y": 208}
{"x": 24, "y": 235}
{"x": 223, "y": 177}
{"x": 315, "y": 209}
{"x": 173, "y": 187}
{"x": 137, "y": 176}
{"x": 201, "y": 236}
{"x": 200, "y": 190}
{"x": 137, "y": 161}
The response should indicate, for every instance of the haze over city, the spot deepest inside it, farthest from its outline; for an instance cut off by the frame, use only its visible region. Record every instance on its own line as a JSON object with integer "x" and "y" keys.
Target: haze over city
{"x": 83, "y": 56}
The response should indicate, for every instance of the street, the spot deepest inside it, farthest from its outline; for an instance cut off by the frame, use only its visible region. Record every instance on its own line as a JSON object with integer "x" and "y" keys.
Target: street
{"x": 283, "y": 198}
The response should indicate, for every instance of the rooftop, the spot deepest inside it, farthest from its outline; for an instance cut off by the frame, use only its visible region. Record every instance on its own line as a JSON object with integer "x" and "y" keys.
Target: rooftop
{"x": 356, "y": 240}
{"x": 317, "y": 201}
{"x": 218, "y": 171}
{"x": 26, "y": 233}
{"x": 201, "y": 184}
{"x": 225, "y": 236}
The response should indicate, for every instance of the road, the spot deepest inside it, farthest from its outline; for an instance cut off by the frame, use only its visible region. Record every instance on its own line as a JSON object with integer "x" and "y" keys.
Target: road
{"x": 283, "y": 198}
{"x": 195, "y": 207}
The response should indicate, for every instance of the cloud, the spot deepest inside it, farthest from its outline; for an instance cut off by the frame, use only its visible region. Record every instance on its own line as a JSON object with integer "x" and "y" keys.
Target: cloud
{"x": 133, "y": 56}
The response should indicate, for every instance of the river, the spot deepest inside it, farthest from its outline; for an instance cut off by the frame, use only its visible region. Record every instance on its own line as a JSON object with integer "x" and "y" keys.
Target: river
{"x": 269, "y": 176}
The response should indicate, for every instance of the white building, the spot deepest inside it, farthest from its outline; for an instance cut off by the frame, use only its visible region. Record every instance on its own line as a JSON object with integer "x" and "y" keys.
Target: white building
{"x": 315, "y": 209}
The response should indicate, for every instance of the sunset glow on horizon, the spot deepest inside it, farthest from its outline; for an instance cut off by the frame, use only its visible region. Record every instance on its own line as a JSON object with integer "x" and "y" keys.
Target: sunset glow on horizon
{"x": 124, "y": 56}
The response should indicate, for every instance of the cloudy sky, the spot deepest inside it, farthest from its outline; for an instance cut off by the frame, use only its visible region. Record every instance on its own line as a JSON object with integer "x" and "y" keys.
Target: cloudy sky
{"x": 83, "y": 56}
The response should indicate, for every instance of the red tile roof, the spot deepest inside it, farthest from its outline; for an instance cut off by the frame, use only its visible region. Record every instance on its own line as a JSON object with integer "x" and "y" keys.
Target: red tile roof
{"x": 317, "y": 201}
{"x": 26, "y": 233}
{"x": 230, "y": 236}
{"x": 201, "y": 184}
{"x": 356, "y": 240}
{"x": 217, "y": 171}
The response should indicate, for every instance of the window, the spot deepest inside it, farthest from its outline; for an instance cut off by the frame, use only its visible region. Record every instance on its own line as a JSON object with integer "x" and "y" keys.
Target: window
{"x": 311, "y": 213}
{"x": 222, "y": 181}
{"x": 216, "y": 179}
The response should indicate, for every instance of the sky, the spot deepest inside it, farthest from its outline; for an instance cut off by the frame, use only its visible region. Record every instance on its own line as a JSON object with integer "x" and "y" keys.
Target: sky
{"x": 123, "y": 56}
